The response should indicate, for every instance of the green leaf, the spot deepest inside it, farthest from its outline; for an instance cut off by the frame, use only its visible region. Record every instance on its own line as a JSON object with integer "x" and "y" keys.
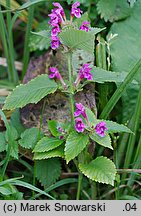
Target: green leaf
{"x": 7, "y": 189}
{"x": 100, "y": 76}
{"x": 115, "y": 127}
{"x": 125, "y": 49}
{"x": 11, "y": 133}
{"x": 16, "y": 121}
{"x": 91, "y": 116}
{"x": 75, "y": 143}
{"x": 2, "y": 142}
{"x": 53, "y": 126}
{"x": 40, "y": 39}
{"x": 31, "y": 187}
{"x": 47, "y": 144}
{"x": 29, "y": 138}
{"x": 101, "y": 170}
{"x": 48, "y": 171}
{"x": 57, "y": 152}
{"x": 78, "y": 39}
{"x": 32, "y": 92}
{"x": 14, "y": 149}
{"x": 112, "y": 10}
{"x": 125, "y": 52}
{"x": 104, "y": 141}
{"x": 29, "y": 3}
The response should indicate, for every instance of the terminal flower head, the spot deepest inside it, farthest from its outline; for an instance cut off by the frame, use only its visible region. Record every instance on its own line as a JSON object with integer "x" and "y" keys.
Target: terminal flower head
{"x": 75, "y": 11}
{"x": 100, "y": 129}
{"x": 79, "y": 125}
{"x": 79, "y": 110}
{"x": 84, "y": 26}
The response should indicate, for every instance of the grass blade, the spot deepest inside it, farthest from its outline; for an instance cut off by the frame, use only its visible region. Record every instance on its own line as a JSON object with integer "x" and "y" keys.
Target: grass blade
{"x": 118, "y": 93}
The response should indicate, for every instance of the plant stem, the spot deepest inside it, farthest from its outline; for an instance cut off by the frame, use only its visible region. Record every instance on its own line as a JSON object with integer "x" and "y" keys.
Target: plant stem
{"x": 79, "y": 185}
{"x": 71, "y": 86}
{"x": 118, "y": 93}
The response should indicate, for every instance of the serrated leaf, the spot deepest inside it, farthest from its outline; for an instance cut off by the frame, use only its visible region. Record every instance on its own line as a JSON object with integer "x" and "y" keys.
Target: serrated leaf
{"x": 47, "y": 144}
{"x": 78, "y": 39}
{"x": 57, "y": 152}
{"x": 48, "y": 171}
{"x": 40, "y": 39}
{"x": 115, "y": 127}
{"x": 104, "y": 141}
{"x": 14, "y": 149}
{"x": 32, "y": 92}
{"x": 75, "y": 144}
{"x": 101, "y": 170}
{"x": 112, "y": 10}
{"x": 29, "y": 138}
{"x": 2, "y": 142}
{"x": 100, "y": 76}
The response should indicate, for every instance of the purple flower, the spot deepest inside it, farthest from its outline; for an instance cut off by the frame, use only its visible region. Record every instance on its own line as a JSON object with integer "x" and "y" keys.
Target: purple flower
{"x": 79, "y": 110}
{"x": 54, "y": 73}
{"x": 85, "y": 72}
{"x": 76, "y": 11}
{"x": 79, "y": 126}
{"x": 58, "y": 10}
{"x": 55, "y": 42}
{"x": 54, "y": 18}
{"x": 100, "y": 129}
{"x": 55, "y": 30}
{"x": 84, "y": 26}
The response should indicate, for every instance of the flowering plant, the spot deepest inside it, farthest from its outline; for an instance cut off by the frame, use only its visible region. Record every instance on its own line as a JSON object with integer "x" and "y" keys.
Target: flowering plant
{"x": 71, "y": 140}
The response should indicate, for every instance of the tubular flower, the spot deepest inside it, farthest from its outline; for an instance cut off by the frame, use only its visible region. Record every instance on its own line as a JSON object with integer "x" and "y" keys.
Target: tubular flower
{"x": 84, "y": 26}
{"x": 55, "y": 30}
{"x": 85, "y": 72}
{"x": 54, "y": 73}
{"x": 100, "y": 129}
{"x": 55, "y": 42}
{"x": 54, "y": 18}
{"x": 75, "y": 11}
{"x": 59, "y": 9}
{"x": 79, "y": 110}
{"x": 79, "y": 125}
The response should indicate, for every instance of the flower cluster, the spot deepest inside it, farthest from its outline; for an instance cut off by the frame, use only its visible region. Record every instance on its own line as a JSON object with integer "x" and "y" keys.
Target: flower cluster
{"x": 80, "y": 110}
{"x": 58, "y": 18}
{"x": 100, "y": 128}
{"x": 84, "y": 72}
{"x": 84, "y": 26}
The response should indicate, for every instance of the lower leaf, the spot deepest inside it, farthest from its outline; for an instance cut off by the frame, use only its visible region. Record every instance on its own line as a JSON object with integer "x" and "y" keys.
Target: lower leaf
{"x": 101, "y": 170}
